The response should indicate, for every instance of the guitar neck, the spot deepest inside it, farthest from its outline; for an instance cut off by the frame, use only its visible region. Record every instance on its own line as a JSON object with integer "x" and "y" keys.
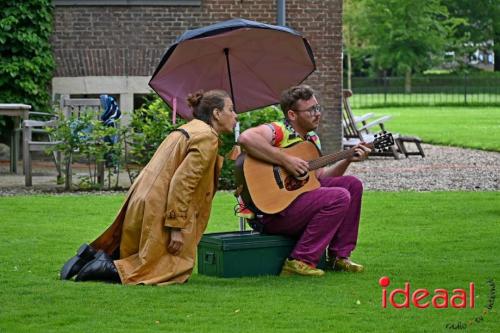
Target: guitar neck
{"x": 333, "y": 158}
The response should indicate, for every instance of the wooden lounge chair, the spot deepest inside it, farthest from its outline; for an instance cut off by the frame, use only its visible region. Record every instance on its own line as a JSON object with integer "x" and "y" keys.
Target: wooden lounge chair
{"x": 360, "y": 128}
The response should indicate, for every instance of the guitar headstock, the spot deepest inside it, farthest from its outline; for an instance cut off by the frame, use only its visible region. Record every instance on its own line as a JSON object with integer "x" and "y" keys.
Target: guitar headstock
{"x": 383, "y": 141}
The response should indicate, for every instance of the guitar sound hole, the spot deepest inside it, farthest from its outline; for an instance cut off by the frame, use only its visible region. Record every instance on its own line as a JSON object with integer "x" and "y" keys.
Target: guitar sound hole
{"x": 292, "y": 183}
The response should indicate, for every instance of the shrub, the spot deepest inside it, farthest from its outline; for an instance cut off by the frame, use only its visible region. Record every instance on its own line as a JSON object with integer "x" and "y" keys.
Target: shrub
{"x": 85, "y": 136}
{"x": 149, "y": 126}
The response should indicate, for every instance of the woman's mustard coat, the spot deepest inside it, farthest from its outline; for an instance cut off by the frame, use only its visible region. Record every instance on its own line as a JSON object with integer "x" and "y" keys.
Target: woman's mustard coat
{"x": 175, "y": 189}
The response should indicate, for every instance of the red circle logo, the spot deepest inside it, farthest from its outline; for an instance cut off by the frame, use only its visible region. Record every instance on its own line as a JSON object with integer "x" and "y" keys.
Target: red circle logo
{"x": 384, "y": 281}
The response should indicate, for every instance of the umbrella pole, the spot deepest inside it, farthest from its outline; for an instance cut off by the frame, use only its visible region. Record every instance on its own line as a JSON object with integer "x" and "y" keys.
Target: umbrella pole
{"x": 226, "y": 52}
{"x": 237, "y": 129}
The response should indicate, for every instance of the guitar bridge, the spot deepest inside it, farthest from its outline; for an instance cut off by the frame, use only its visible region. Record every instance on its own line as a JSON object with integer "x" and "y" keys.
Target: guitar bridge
{"x": 293, "y": 184}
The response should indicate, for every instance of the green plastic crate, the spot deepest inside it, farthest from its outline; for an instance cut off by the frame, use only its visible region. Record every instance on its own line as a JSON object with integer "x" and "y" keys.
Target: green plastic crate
{"x": 247, "y": 253}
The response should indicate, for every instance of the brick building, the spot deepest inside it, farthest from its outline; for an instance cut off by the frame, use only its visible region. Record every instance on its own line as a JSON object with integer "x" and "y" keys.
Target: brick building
{"x": 113, "y": 46}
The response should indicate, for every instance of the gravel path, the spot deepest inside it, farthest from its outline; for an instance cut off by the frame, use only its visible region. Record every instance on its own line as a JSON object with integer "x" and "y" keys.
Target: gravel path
{"x": 443, "y": 169}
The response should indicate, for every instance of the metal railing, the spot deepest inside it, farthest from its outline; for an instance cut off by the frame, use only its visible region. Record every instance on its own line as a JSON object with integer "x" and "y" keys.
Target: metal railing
{"x": 432, "y": 90}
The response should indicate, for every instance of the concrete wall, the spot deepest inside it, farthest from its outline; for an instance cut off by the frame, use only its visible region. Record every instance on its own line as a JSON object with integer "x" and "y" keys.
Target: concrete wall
{"x": 115, "y": 49}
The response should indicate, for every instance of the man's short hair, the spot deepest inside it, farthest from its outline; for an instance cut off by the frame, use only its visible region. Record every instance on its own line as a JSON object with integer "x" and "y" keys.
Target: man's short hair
{"x": 290, "y": 97}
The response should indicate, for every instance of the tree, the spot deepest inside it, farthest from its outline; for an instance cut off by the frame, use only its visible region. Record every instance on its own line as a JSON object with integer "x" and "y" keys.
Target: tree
{"x": 26, "y": 59}
{"x": 354, "y": 45}
{"x": 482, "y": 23}
{"x": 406, "y": 36}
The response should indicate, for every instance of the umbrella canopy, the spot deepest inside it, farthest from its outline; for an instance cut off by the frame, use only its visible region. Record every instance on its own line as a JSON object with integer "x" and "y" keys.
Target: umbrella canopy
{"x": 252, "y": 61}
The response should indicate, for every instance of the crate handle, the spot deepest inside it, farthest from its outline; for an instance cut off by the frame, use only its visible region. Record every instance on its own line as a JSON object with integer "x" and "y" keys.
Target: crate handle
{"x": 209, "y": 258}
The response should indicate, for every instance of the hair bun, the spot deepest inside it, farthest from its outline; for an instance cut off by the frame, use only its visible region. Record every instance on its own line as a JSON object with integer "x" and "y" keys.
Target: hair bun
{"x": 194, "y": 99}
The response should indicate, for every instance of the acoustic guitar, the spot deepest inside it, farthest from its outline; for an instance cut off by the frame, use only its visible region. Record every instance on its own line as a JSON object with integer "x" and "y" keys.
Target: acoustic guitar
{"x": 270, "y": 188}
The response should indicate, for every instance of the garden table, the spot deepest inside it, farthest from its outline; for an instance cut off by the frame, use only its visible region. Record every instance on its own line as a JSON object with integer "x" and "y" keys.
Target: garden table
{"x": 18, "y": 112}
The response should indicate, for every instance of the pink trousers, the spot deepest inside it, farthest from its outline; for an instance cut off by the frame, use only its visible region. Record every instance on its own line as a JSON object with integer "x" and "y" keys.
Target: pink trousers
{"x": 327, "y": 217}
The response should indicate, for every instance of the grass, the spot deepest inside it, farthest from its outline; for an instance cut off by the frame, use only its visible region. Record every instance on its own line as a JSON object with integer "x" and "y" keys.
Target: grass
{"x": 433, "y": 240}
{"x": 471, "y": 127}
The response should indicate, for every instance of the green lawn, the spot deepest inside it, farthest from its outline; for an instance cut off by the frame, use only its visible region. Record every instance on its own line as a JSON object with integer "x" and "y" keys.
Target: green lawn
{"x": 433, "y": 240}
{"x": 472, "y": 127}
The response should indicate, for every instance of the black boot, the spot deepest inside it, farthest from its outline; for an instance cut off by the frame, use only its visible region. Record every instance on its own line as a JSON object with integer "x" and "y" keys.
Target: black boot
{"x": 101, "y": 268}
{"x": 84, "y": 255}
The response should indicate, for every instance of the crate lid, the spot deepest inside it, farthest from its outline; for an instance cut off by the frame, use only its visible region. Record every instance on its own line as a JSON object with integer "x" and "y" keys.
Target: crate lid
{"x": 235, "y": 240}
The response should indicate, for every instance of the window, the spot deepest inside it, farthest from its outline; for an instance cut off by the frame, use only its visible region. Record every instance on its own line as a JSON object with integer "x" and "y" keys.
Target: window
{"x": 126, "y": 2}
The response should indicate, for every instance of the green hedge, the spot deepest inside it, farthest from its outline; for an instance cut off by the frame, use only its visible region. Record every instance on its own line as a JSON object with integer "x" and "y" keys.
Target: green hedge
{"x": 26, "y": 58}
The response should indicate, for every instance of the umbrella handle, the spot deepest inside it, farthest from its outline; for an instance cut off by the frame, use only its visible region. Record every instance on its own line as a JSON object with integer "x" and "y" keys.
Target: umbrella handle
{"x": 237, "y": 131}
{"x": 174, "y": 111}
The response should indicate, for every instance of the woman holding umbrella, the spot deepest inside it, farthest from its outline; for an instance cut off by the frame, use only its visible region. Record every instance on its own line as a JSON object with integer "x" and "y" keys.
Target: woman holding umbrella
{"x": 156, "y": 232}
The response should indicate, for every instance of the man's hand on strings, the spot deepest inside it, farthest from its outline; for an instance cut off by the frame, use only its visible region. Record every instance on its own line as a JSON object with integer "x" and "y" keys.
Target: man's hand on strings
{"x": 361, "y": 152}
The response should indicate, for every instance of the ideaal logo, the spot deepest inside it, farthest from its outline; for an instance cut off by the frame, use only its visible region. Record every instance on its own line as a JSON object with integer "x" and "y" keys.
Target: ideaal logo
{"x": 460, "y": 299}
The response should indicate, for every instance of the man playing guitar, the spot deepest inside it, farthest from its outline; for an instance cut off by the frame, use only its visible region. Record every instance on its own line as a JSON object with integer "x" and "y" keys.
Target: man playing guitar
{"x": 326, "y": 217}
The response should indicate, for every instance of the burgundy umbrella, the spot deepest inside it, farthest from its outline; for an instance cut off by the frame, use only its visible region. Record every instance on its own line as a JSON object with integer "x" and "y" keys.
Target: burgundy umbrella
{"x": 253, "y": 61}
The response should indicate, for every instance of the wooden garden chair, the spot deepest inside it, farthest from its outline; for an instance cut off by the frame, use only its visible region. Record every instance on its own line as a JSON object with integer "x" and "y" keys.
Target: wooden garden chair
{"x": 31, "y": 144}
{"x": 43, "y": 141}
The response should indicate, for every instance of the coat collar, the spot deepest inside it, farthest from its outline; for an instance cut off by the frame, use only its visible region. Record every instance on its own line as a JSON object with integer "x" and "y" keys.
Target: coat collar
{"x": 201, "y": 124}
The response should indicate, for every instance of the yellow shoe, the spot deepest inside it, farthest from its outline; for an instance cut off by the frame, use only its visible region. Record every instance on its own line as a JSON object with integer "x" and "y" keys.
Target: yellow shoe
{"x": 345, "y": 265}
{"x": 298, "y": 267}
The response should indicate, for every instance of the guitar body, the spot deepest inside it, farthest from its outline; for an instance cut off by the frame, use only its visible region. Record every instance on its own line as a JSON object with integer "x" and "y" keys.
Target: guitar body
{"x": 271, "y": 187}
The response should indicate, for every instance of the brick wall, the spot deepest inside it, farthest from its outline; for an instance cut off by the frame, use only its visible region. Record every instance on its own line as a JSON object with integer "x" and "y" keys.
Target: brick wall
{"x": 129, "y": 41}
{"x": 321, "y": 24}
